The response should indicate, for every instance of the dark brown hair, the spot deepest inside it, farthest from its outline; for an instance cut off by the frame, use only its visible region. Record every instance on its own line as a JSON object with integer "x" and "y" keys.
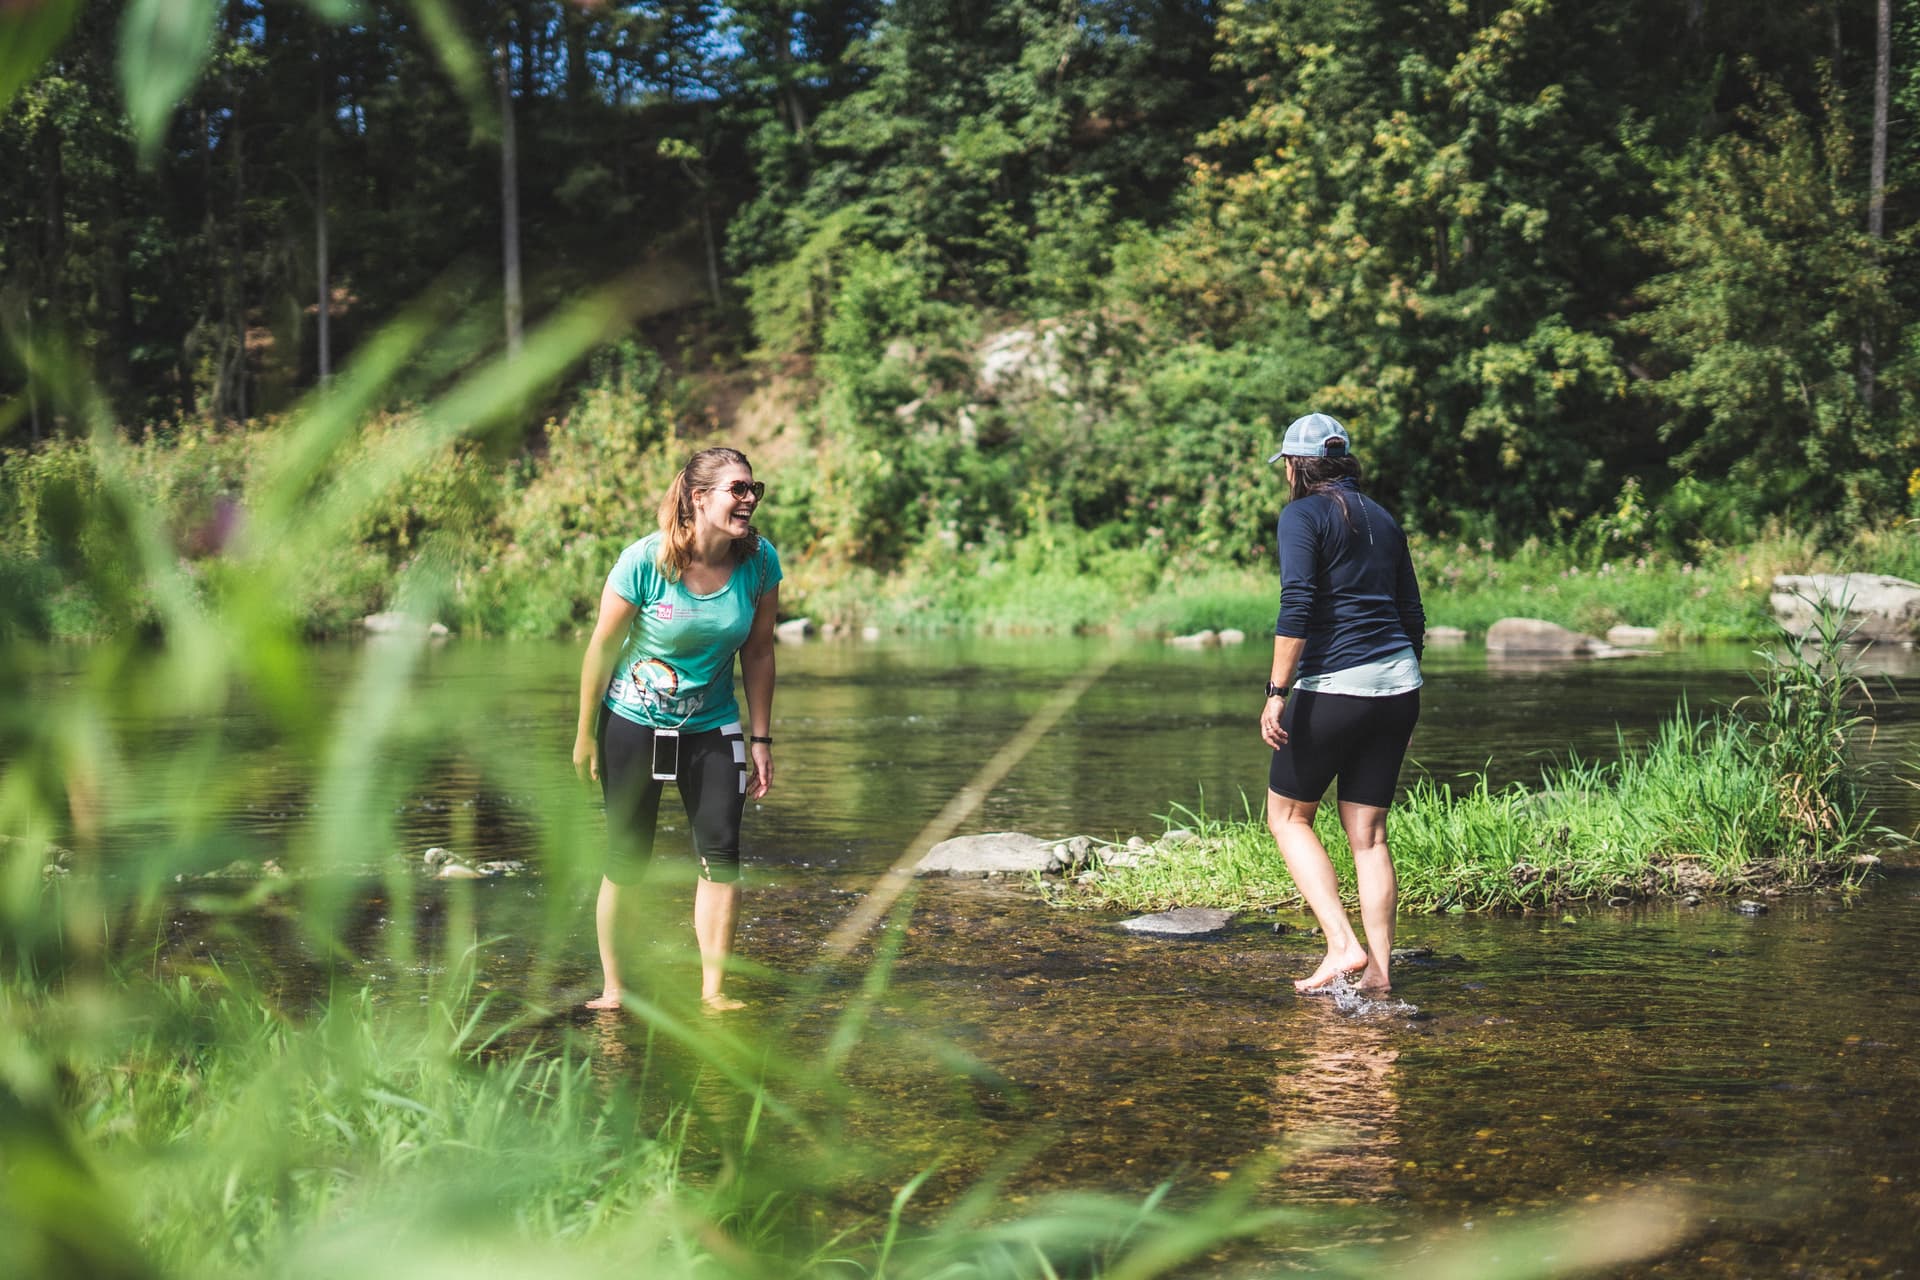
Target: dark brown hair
{"x": 1323, "y": 475}
{"x": 676, "y": 510}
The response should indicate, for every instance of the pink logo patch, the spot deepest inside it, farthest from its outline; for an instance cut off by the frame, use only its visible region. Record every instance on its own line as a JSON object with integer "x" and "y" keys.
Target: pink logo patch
{"x": 664, "y": 611}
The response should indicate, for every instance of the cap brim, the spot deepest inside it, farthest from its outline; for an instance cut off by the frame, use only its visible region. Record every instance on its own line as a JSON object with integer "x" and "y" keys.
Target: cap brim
{"x": 1276, "y": 457}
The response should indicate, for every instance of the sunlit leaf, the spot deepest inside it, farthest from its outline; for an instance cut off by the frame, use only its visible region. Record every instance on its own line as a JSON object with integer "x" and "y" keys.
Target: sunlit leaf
{"x": 163, "y": 46}
{"x": 29, "y": 33}
{"x": 457, "y": 55}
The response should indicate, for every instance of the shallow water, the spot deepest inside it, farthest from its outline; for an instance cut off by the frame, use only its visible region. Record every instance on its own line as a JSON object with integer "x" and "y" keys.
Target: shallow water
{"x": 1763, "y": 1068}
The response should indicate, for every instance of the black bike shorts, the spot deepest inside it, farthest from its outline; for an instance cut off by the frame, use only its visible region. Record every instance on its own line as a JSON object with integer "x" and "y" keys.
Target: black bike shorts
{"x": 1360, "y": 741}
{"x": 713, "y": 787}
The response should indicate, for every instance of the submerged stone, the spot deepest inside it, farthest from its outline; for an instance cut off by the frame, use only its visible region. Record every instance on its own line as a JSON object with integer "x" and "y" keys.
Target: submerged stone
{"x": 1181, "y": 921}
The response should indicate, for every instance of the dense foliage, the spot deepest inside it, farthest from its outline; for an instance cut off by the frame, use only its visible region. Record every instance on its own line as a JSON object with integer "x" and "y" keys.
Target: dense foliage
{"x": 1617, "y": 274}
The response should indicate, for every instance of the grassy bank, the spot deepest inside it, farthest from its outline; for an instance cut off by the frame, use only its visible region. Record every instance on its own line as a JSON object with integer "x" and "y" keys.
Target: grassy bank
{"x": 1759, "y": 800}
{"x": 1072, "y": 580}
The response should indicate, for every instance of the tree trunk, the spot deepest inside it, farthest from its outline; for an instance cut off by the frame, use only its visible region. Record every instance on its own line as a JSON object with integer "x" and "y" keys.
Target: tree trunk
{"x": 33, "y": 374}
{"x": 239, "y": 268}
{"x": 1882, "y": 89}
{"x": 509, "y": 203}
{"x": 713, "y": 247}
{"x": 789, "y": 89}
{"x": 54, "y": 210}
{"x": 579, "y": 70}
{"x": 323, "y": 326}
{"x": 1877, "y": 179}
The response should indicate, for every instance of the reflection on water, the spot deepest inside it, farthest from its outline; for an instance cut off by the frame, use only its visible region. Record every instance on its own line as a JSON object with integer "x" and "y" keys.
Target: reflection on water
{"x": 1336, "y": 1109}
{"x": 1772, "y": 1063}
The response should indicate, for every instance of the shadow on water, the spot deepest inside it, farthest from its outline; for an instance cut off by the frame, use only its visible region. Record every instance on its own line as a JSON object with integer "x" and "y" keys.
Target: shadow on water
{"x": 1768, "y": 1063}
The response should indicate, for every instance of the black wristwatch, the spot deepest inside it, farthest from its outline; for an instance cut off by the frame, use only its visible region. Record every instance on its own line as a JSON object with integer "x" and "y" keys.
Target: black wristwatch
{"x": 1277, "y": 691}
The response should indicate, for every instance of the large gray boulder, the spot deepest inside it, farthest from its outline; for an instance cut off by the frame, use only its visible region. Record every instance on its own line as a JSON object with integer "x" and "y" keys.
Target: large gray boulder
{"x": 1534, "y": 637}
{"x": 1885, "y": 610}
{"x": 994, "y": 853}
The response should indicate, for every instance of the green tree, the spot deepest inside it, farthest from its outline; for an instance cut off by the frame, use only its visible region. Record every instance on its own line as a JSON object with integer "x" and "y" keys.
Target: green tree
{"x": 1774, "y": 280}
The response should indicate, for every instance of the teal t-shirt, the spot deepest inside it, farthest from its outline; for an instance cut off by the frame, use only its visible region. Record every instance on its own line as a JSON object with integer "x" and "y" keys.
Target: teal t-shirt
{"x": 676, "y": 667}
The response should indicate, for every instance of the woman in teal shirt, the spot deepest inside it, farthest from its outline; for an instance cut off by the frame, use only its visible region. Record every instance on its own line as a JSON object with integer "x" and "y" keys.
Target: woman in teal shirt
{"x": 657, "y": 702}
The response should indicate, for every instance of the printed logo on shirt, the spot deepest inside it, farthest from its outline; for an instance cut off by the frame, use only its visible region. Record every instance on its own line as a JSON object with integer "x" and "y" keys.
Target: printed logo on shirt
{"x": 663, "y": 612}
{"x": 655, "y": 686}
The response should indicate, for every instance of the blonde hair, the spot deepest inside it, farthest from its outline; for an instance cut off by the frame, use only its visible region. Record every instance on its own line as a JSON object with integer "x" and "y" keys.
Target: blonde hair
{"x": 676, "y": 510}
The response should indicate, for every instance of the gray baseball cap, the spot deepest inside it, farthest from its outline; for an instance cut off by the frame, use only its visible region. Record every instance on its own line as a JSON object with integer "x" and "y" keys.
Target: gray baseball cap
{"x": 1317, "y": 435}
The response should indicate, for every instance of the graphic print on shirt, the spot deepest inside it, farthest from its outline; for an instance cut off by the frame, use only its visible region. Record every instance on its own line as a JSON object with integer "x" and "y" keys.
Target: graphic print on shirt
{"x": 655, "y": 686}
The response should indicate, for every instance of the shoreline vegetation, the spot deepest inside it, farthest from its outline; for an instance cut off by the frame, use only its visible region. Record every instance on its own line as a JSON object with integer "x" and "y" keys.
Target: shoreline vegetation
{"x": 1762, "y": 799}
{"x": 519, "y": 546}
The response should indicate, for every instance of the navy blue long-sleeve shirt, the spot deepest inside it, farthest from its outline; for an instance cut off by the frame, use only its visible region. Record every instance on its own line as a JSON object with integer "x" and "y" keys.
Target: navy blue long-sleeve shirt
{"x": 1347, "y": 590}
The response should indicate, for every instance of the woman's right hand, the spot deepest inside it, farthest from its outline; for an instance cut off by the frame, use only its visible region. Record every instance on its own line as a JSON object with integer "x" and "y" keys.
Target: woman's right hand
{"x": 586, "y": 759}
{"x": 1270, "y": 731}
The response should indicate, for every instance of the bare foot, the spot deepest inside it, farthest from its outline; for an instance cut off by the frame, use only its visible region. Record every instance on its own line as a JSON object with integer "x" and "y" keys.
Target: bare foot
{"x": 1373, "y": 982}
{"x": 721, "y": 1003}
{"x": 1350, "y": 959}
{"x": 608, "y": 999}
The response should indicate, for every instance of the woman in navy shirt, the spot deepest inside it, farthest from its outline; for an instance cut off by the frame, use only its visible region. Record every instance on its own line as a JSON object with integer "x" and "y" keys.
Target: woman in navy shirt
{"x": 1344, "y": 692}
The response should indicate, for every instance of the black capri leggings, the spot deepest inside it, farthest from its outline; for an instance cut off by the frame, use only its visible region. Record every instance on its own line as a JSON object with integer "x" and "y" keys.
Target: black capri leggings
{"x": 1360, "y": 741}
{"x": 713, "y": 786}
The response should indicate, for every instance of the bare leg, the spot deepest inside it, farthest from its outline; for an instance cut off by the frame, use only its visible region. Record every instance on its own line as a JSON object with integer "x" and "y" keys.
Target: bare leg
{"x": 606, "y": 923}
{"x": 1366, "y": 828}
{"x": 716, "y": 909}
{"x": 1291, "y": 822}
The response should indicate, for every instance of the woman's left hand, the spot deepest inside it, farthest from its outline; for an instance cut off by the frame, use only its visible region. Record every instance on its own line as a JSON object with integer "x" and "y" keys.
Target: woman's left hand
{"x": 760, "y": 778}
{"x": 1270, "y": 730}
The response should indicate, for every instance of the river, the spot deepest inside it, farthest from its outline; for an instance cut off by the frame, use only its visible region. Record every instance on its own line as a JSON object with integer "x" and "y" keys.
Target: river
{"x": 1758, "y": 1070}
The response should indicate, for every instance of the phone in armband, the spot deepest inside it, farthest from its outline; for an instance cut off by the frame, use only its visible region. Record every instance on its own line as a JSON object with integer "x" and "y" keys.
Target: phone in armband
{"x": 666, "y": 755}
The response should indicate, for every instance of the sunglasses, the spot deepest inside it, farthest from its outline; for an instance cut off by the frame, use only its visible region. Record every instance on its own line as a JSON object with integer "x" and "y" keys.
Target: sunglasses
{"x": 743, "y": 489}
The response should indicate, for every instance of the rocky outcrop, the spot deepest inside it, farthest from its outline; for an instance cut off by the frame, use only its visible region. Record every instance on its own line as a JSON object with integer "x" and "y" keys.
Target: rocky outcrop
{"x": 1877, "y": 608}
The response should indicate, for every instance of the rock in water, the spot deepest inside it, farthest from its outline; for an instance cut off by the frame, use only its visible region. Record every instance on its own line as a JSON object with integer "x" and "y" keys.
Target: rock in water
{"x": 1534, "y": 636}
{"x": 1884, "y": 609}
{"x": 994, "y": 853}
{"x": 1633, "y": 637}
{"x": 1184, "y": 922}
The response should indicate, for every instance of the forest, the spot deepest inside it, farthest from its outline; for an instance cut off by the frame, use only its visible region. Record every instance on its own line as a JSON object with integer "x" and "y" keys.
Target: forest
{"x": 1633, "y": 276}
